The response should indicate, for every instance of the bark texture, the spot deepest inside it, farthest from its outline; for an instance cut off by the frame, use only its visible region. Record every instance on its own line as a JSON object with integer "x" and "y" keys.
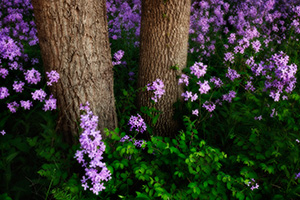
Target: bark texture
{"x": 73, "y": 37}
{"x": 164, "y": 43}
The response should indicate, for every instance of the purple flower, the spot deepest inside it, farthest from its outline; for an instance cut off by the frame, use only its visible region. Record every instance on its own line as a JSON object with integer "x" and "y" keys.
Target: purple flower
{"x": 38, "y": 95}
{"x": 228, "y": 97}
{"x": 50, "y": 104}
{"x": 297, "y": 175}
{"x": 158, "y": 87}
{"x": 3, "y": 92}
{"x": 232, "y": 74}
{"x": 253, "y": 184}
{"x": 204, "y": 87}
{"x": 3, "y": 132}
{"x": 229, "y": 56}
{"x": 34, "y": 61}
{"x": 188, "y": 95}
{"x": 209, "y": 106}
{"x": 138, "y": 123}
{"x": 53, "y": 77}
{"x": 198, "y": 69}
{"x": 184, "y": 79}
{"x": 256, "y": 45}
{"x": 26, "y": 104}
{"x": 195, "y": 112}
{"x": 123, "y": 139}
{"x": 231, "y": 38}
{"x": 249, "y": 86}
{"x": 258, "y": 118}
{"x": 118, "y": 56}
{"x": 273, "y": 112}
{"x": 217, "y": 81}
{"x": 131, "y": 75}
{"x": 18, "y": 86}
{"x": 13, "y": 106}
{"x": 139, "y": 143}
{"x": 32, "y": 76}
{"x": 3, "y": 72}
{"x": 92, "y": 146}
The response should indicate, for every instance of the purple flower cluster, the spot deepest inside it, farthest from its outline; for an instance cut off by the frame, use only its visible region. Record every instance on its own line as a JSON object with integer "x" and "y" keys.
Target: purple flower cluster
{"x": 50, "y": 104}
{"x": 189, "y": 95}
{"x": 203, "y": 87}
{"x": 91, "y": 151}
{"x": 280, "y": 76}
{"x": 209, "y": 106}
{"x": 32, "y": 76}
{"x": 123, "y": 17}
{"x": 232, "y": 74}
{"x": 253, "y": 184}
{"x": 16, "y": 29}
{"x": 53, "y": 77}
{"x": 39, "y": 95}
{"x": 137, "y": 123}
{"x": 3, "y": 92}
{"x": 118, "y": 56}
{"x": 13, "y": 106}
{"x": 137, "y": 143}
{"x": 26, "y": 104}
{"x": 158, "y": 87}
{"x": 184, "y": 79}
{"x": 3, "y": 132}
{"x": 217, "y": 81}
{"x": 297, "y": 175}
{"x": 198, "y": 69}
{"x": 195, "y": 112}
{"x": 228, "y": 97}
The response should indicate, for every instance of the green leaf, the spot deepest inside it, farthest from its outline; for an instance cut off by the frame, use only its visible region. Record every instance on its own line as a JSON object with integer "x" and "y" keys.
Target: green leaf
{"x": 11, "y": 156}
{"x": 155, "y": 118}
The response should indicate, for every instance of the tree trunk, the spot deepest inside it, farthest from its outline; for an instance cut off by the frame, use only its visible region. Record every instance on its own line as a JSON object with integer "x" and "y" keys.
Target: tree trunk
{"x": 73, "y": 37}
{"x": 164, "y": 43}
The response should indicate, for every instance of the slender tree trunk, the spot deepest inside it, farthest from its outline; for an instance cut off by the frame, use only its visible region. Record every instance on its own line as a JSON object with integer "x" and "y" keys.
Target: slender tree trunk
{"x": 73, "y": 37}
{"x": 164, "y": 43}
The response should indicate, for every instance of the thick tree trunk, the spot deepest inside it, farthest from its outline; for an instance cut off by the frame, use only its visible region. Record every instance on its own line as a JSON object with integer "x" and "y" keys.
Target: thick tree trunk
{"x": 164, "y": 43}
{"x": 73, "y": 38}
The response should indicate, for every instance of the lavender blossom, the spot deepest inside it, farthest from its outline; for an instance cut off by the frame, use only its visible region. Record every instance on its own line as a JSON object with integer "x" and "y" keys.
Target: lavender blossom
{"x": 184, "y": 79}
{"x": 203, "y": 87}
{"x": 138, "y": 123}
{"x": 228, "y": 97}
{"x": 53, "y": 77}
{"x": 195, "y": 112}
{"x": 13, "y": 106}
{"x": 50, "y": 104}
{"x": 189, "y": 95}
{"x": 232, "y": 74}
{"x": 32, "y": 76}
{"x": 91, "y": 145}
{"x": 18, "y": 86}
{"x": 39, "y": 95}
{"x": 3, "y": 72}
{"x": 209, "y": 106}
{"x": 118, "y": 56}
{"x": 26, "y": 104}
{"x": 158, "y": 87}
{"x": 198, "y": 69}
{"x": 3, "y": 92}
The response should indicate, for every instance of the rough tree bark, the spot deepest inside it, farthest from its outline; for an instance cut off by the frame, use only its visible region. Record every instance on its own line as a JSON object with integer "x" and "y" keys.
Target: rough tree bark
{"x": 73, "y": 37}
{"x": 164, "y": 43}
